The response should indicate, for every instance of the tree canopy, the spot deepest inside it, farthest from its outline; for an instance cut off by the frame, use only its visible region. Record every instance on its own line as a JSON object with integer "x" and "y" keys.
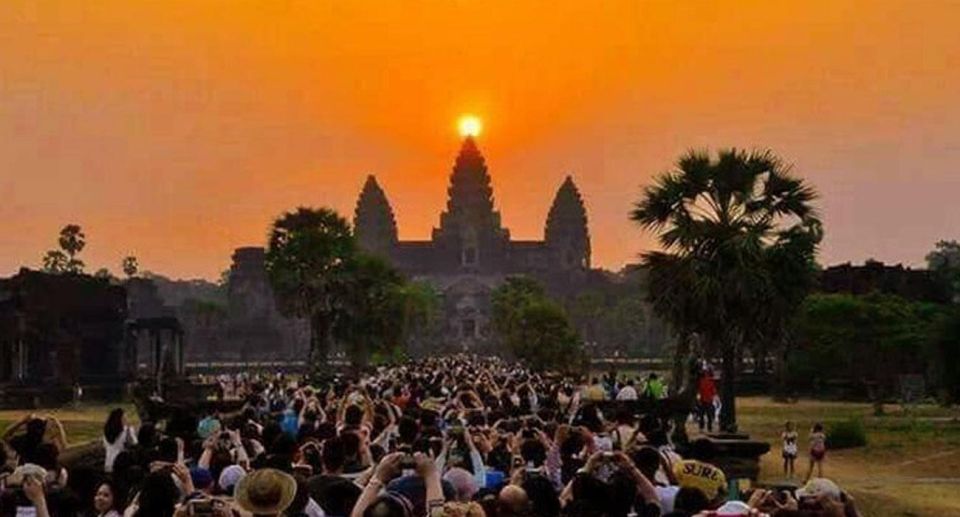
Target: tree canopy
{"x": 944, "y": 261}
{"x": 534, "y": 328}
{"x": 352, "y": 298}
{"x": 308, "y": 257}
{"x": 733, "y": 231}
{"x": 71, "y": 241}
{"x": 869, "y": 339}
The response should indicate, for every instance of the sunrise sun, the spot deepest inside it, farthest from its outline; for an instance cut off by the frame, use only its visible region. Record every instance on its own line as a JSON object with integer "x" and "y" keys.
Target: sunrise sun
{"x": 470, "y": 125}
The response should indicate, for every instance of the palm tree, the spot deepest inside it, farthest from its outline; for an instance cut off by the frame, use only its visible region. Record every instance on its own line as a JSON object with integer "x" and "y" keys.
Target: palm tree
{"x": 722, "y": 224}
{"x": 72, "y": 241}
{"x": 130, "y": 266}
{"x": 307, "y": 260}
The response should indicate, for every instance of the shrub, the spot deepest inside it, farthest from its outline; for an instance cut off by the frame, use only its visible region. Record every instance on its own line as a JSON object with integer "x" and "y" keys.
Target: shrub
{"x": 846, "y": 434}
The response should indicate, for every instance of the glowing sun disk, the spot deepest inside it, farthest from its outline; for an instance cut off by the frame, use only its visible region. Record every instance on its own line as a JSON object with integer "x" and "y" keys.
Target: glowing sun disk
{"x": 470, "y": 125}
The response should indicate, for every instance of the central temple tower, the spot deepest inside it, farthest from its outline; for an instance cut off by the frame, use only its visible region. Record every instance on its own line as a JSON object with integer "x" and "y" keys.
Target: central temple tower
{"x": 470, "y": 234}
{"x": 470, "y": 253}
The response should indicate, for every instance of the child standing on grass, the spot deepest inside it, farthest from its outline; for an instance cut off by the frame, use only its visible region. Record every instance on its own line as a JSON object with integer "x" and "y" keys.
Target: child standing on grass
{"x": 789, "y": 438}
{"x": 818, "y": 449}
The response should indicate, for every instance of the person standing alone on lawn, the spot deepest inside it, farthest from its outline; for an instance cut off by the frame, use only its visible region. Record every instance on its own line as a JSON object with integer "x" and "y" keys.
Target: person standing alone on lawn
{"x": 818, "y": 450}
{"x": 789, "y": 438}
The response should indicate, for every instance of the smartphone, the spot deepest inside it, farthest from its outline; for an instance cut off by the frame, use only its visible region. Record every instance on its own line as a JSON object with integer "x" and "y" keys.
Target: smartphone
{"x": 408, "y": 465}
{"x": 303, "y": 470}
{"x": 200, "y": 507}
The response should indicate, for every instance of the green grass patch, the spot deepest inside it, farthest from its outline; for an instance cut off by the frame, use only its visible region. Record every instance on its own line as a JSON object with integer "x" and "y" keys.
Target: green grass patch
{"x": 846, "y": 434}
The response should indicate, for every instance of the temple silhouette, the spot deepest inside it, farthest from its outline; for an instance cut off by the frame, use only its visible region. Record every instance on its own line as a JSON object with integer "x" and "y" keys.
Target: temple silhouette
{"x": 470, "y": 253}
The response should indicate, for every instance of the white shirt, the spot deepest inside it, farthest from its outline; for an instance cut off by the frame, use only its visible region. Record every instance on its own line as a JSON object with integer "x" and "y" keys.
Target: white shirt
{"x": 667, "y": 495}
{"x": 125, "y": 439}
{"x": 313, "y": 509}
{"x": 627, "y": 393}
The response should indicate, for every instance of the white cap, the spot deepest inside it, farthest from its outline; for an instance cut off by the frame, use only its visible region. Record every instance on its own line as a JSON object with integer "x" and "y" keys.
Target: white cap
{"x": 818, "y": 487}
{"x": 733, "y": 508}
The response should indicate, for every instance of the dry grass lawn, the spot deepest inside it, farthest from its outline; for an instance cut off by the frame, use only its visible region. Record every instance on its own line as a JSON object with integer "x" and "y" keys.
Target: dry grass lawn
{"x": 82, "y": 424}
{"x": 910, "y": 466}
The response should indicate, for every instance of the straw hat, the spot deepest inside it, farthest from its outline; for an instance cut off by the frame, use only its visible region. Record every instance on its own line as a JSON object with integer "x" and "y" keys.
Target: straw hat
{"x": 24, "y": 471}
{"x": 266, "y": 491}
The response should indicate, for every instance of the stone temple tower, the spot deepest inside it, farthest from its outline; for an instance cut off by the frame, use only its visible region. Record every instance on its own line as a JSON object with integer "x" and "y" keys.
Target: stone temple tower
{"x": 470, "y": 231}
{"x": 566, "y": 233}
{"x": 373, "y": 220}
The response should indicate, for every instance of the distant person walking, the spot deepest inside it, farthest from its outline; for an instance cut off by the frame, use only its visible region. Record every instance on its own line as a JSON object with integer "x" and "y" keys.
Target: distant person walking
{"x": 818, "y": 450}
{"x": 706, "y": 395}
{"x": 77, "y": 395}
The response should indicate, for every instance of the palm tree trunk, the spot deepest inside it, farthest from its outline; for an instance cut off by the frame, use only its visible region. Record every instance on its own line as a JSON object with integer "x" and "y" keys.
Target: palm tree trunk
{"x": 728, "y": 392}
{"x": 679, "y": 368}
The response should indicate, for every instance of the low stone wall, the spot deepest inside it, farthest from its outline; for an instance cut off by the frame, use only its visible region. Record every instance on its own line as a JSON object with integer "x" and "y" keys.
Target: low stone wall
{"x": 84, "y": 457}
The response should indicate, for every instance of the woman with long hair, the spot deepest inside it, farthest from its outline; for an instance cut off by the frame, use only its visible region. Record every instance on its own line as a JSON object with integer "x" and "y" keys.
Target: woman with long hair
{"x": 117, "y": 437}
{"x": 108, "y": 501}
{"x": 26, "y": 445}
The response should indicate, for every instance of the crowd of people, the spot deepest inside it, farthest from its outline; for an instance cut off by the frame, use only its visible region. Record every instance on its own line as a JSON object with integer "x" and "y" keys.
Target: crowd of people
{"x": 451, "y": 437}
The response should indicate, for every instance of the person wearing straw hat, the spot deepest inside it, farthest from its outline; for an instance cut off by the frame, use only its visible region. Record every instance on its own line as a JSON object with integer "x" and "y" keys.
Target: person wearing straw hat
{"x": 266, "y": 492}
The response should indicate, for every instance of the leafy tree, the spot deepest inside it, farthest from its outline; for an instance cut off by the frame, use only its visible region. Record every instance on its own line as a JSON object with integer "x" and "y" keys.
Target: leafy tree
{"x": 945, "y": 348}
{"x": 720, "y": 223}
{"x": 421, "y": 314}
{"x": 872, "y": 338}
{"x": 586, "y": 310}
{"x": 546, "y": 339}
{"x": 944, "y": 260}
{"x": 507, "y": 300}
{"x": 373, "y": 308}
{"x": 130, "y": 266}
{"x": 308, "y": 259}
{"x": 534, "y": 328}
{"x": 55, "y": 262}
{"x": 625, "y": 326}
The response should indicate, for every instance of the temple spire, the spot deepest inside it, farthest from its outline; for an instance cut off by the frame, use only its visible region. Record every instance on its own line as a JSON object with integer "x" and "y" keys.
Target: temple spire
{"x": 566, "y": 230}
{"x": 469, "y": 196}
{"x": 374, "y": 224}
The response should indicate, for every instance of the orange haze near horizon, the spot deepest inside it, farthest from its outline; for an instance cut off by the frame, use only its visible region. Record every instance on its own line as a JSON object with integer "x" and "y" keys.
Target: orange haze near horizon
{"x": 176, "y": 130}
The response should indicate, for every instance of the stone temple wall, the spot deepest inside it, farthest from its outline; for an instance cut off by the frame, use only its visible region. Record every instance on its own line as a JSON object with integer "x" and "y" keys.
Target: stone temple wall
{"x": 249, "y": 328}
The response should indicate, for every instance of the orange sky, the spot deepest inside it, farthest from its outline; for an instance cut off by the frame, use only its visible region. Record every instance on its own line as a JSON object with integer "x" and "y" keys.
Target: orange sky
{"x": 177, "y": 129}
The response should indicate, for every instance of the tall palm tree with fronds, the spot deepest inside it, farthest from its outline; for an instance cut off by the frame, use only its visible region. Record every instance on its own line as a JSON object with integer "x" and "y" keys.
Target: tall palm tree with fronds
{"x": 729, "y": 227}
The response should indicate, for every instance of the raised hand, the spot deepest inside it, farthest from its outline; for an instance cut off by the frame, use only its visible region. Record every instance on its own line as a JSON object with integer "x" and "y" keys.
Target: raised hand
{"x": 389, "y": 467}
